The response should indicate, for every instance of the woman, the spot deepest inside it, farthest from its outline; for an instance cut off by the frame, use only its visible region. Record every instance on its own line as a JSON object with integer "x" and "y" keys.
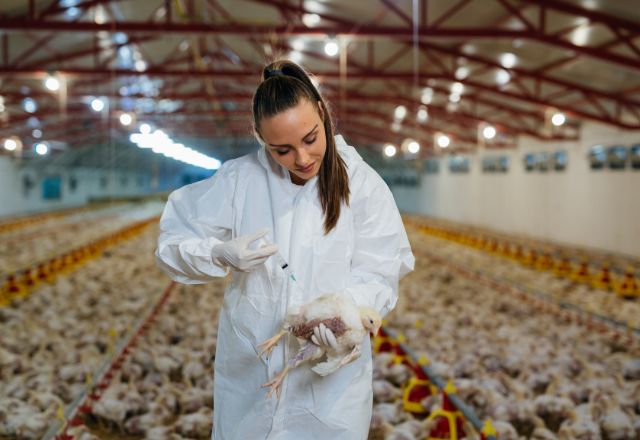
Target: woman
{"x": 331, "y": 217}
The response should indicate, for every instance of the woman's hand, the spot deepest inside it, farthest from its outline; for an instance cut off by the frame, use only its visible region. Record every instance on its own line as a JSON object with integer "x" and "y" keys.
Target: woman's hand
{"x": 237, "y": 255}
{"x": 324, "y": 338}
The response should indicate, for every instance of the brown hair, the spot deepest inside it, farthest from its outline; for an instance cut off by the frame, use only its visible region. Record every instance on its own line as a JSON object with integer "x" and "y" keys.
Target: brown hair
{"x": 283, "y": 85}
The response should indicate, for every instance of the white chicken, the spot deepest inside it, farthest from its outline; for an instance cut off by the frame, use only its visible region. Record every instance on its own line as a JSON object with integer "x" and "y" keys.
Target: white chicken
{"x": 348, "y": 323}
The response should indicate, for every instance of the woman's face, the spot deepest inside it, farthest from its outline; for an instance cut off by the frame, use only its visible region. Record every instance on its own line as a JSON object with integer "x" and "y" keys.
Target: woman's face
{"x": 295, "y": 138}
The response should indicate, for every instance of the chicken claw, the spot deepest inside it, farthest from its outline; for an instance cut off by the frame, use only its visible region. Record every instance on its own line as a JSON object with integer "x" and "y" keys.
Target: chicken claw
{"x": 276, "y": 383}
{"x": 268, "y": 345}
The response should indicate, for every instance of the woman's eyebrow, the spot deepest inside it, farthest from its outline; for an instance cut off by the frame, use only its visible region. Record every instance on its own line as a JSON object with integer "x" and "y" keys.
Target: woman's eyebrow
{"x": 290, "y": 146}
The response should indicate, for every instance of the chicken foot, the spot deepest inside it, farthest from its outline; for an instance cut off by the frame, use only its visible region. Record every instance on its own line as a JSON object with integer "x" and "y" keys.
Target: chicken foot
{"x": 268, "y": 345}
{"x": 307, "y": 352}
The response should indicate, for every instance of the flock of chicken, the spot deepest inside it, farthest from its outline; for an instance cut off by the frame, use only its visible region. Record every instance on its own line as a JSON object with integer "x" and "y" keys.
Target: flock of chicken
{"x": 534, "y": 375}
{"x": 55, "y": 339}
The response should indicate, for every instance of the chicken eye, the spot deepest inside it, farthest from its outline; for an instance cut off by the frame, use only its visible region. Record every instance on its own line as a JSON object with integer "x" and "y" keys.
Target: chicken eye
{"x": 371, "y": 321}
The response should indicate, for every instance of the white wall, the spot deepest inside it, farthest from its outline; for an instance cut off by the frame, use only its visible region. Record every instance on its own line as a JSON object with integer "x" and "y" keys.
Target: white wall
{"x": 15, "y": 201}
{"x": 580, "y": 206}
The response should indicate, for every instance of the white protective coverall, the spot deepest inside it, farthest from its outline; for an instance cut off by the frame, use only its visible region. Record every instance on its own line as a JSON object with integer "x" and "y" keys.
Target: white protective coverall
{"x": 363, "y": 258}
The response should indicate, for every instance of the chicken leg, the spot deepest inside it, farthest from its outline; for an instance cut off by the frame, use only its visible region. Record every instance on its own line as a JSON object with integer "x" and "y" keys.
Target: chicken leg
{"x": 307, "y": 352}
{"x": 268, "y": 345}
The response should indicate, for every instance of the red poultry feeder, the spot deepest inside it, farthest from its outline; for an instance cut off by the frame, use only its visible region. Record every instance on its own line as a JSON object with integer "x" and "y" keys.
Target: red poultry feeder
{"x": 628, "y": 287}
{"x": 603, "y": 280}
{"x": 563, "y": 267}
{"x": 449, "y": 423}
{"x": 582, "y": 274}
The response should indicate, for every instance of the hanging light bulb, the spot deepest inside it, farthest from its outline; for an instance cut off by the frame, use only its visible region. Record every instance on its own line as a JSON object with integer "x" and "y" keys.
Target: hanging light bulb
{"x": 52, "y": 83}
{"x": 558, "y": 119}
{"x": 311, "y": 20}
{"x": 331, "y": 48}
{"x": 413, "y": 147}
{"x": 145, "y": 128}
{"x": 427, "y": 96}
{"x": 443, "y": 141}
{"x": 423, "y": 114}
{"x": 400, "y": 112}
{"x": 10, "y": 144}
{"x": 489, "y": 132}
{"x": 508, "y": 60}
{"x": 390, "y": 150}
{"x": 97, "y": 105}
{"x": 126, "y": 119}
{"x": 42, "y": 148}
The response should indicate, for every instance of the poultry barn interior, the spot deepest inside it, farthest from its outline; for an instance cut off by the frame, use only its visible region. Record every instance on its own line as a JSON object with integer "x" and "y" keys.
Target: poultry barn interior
{"x": 508, "y": 132}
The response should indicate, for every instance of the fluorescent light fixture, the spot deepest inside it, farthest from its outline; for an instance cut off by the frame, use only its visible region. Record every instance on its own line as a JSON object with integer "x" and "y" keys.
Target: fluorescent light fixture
{"x": 159, "y": 142}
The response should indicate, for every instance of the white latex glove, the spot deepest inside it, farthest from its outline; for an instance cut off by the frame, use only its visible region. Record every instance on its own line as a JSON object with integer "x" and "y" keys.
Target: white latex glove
{"x": 238, "y": 256}
{"x": 324, "y": 338}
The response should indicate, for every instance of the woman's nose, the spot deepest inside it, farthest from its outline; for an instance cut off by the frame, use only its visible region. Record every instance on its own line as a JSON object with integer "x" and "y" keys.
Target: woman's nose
{"x": 302, "y": 158}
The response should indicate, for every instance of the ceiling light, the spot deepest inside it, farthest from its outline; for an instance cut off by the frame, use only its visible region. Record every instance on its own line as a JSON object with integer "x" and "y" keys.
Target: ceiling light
{"x": 52, "y": 83}
{"x": 508, "y": 60}
{"x": 145, "y": 128}
{"x": 140, "y": 66}
{"x": 10, "y": 144}
{"x": 390, "y": 150}
{"x": 311, "y": 20}
{"x": 36, "y": 133}
{"x": 502, "y": 77}
{"x": 126, "y": 119}
{"x": 443, "y": 141}
{"x": 427, "y": 95}
{"x": 159, "y": 142}
{"x": 298, "y": 44}
{"x": 396, "y": 126}
{"x": 400, "y": 112}
{"x": 457, "y": 88}
{"x": 423, "y": 114}
{"x": 454, "y": 97}
{"x": 558, "y": 119}
{"x": 331, "y": 48}
{"x": 462, "y": 72}
{"x": 97, "y": 105}
{"x": 42, "y": 148}
{"x": 413, "y": 147}
{"x": 489, "y": 132}
{"x": 29, "y": 105}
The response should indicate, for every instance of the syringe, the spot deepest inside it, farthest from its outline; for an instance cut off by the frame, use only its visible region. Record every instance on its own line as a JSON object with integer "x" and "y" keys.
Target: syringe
{"x": 282, "y": 263}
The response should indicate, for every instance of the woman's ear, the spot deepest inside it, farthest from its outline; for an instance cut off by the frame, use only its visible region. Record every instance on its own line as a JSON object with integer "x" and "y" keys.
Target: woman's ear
{"x": 321, "y": 108}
